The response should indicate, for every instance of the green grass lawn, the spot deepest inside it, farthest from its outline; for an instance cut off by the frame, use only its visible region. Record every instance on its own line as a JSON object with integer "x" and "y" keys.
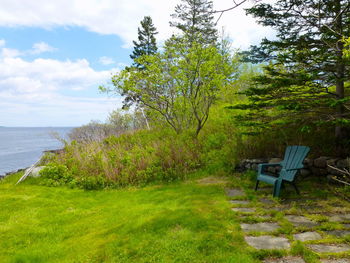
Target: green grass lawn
{"x": 180, "y": 222}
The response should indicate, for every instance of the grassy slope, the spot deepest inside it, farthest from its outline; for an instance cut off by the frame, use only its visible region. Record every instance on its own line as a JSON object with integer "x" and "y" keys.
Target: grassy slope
{"x": 181, "y": 222}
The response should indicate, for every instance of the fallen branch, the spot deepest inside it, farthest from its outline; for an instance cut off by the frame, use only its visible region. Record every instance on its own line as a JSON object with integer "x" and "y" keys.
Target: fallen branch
{"x": 28, "y": 171}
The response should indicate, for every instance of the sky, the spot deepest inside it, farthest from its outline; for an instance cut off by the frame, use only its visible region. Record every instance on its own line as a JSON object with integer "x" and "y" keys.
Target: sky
{"x": 55, "y": 54}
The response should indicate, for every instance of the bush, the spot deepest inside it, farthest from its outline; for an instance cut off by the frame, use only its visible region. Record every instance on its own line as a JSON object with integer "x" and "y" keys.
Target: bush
{"x": 56, "y": 174}
{"x": 136, "y": 158}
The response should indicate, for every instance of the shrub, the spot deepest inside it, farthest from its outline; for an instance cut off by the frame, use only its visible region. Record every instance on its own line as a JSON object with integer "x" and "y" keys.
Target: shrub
{"x": 136, "y": 158}
{"x": 56, "y": 174}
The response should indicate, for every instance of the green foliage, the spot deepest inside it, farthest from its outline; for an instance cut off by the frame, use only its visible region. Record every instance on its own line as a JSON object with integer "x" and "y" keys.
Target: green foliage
{"x": 305, "y": 78}
{"x": 146, "y": 44}
{"x": 346, "y": 47}
{"x": 130, "y": 159}
{"x": 55, "y": 175}
{"x": 195, "y": 20}
{"x": 178, "y": 85}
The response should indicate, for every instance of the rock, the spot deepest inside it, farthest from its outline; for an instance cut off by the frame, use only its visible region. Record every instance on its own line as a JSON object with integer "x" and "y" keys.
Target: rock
{"x": 329, "y": 248}
{"x": 254, "y": 166}
{"x": 235, "y": 192}
{"x": 308, "y": 162}
{"x": 267, "y": 202}
{"x": 338, "y": 233}
{"x": 284, "y": 260}
{"x": 307, "y": 236}
{"x": 239, "y": 202}
{"x": 36, "y": 170}
{"x": 340, "y": 218}
{"x": 335, "y": 260}
{"x": 268, "y": 242}
{"x": 343, "y": 163}
{"x": 243, "y": 209}
{"x": 258, "y": 161}
{"x": 332, "y": 161}
{"x": 319, "y": 171}
{"x": 304, "y": 172}
{"x": 301, "y": 221}
{"x": 275, "y": 160}
{"x": 321, "y": 162}
{"x": 260, "y": 227}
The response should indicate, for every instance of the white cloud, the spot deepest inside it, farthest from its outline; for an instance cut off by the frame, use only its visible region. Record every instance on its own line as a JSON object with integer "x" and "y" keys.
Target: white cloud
{"x": 42, "y": 47}
{"x": 120, "y": 17}
{"x": 47, "y": 92}
{"x": 106, "y": 60}
{"x": 38, "y": 48}
{"x": 10, "y": 52}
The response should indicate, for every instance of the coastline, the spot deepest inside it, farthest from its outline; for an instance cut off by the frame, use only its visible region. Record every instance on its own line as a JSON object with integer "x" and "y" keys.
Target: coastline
{"x": 55, "y": 151}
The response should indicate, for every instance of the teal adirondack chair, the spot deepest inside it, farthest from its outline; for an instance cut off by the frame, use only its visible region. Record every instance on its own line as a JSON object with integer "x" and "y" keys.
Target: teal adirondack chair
{"x": 293, "y": 161}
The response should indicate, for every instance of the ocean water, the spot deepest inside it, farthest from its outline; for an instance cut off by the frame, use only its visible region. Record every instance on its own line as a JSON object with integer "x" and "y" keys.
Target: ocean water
{"x": 22, "y": 147}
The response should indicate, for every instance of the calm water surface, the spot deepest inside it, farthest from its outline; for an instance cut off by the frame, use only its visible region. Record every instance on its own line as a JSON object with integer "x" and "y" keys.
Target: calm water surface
{"x": 21, "y": 147}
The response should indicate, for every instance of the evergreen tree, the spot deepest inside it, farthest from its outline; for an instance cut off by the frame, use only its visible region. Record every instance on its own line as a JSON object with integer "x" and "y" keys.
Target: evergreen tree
{"x": 307, "y": 70}
{"x": 146, "y": 44}
{"x": 194, "y": 18}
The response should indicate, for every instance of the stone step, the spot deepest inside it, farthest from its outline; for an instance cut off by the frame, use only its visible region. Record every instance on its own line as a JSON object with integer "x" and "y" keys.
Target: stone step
{"x": 239, "y": 202}
{"x": 260, "y": 227}
{"x": 235, "y": 192}
{"x": 335, "y": 260}
{"x": 284, "y": 260}
{"x": 243, "y": 209}
{"x": 268, "y": 242}
{"x": 307, "y": 236}
{"x": 329, "y": 248}
{"x": 301, "y": 221}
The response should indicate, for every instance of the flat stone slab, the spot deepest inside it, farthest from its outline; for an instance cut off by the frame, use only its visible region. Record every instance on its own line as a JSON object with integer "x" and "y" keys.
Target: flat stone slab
{"x": 267, "y": 242}
{"x": 329, "y": 248}
{"x": 260, "y": 227}
{"x": 346, "y": 225}
{"x": 335, "y": 260}
{"x": 243, "y": 209}
{"x": 312, "y": 209}
{"x": 239, "y": 202}
{"x": 280, "y": 208}
{"x": 340, "y": 218}
{"x": 284, "y": 260}
{"x": 307, "y": 236}
{"x": 338, "y": 233}
{"x": 267, "y": 201}
{"x": 301, "y": 221}
{"x": 234, "y": 192}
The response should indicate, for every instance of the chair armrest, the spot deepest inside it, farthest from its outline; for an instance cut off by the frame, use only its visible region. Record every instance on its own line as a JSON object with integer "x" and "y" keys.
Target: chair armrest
{"x": 262, "y": 165}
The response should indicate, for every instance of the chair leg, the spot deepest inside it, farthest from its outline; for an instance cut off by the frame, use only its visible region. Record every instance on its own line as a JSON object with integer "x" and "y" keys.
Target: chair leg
{"x": 277, "y": 189}
{"x": 257, "y": 185}
{"x": 296, "y": 188}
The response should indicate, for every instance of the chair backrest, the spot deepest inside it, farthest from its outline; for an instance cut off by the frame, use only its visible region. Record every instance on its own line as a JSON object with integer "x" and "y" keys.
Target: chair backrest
{"x": 293, "y": 159}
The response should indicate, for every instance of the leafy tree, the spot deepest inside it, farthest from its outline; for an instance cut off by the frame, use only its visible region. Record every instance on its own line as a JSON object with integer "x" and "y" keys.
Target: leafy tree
{"x": 179, "y": 85}
{"x": 194, "y": 18}
{"x": 305, "y": 77}
{"x": 146, "y": 44}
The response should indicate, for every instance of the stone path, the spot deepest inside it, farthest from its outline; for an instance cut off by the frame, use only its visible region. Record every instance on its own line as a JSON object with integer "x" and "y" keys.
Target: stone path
{"x": 271, "y": 235}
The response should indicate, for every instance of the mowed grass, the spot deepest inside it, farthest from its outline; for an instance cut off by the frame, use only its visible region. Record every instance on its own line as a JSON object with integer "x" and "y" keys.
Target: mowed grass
{"x": 180, "y": 222}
